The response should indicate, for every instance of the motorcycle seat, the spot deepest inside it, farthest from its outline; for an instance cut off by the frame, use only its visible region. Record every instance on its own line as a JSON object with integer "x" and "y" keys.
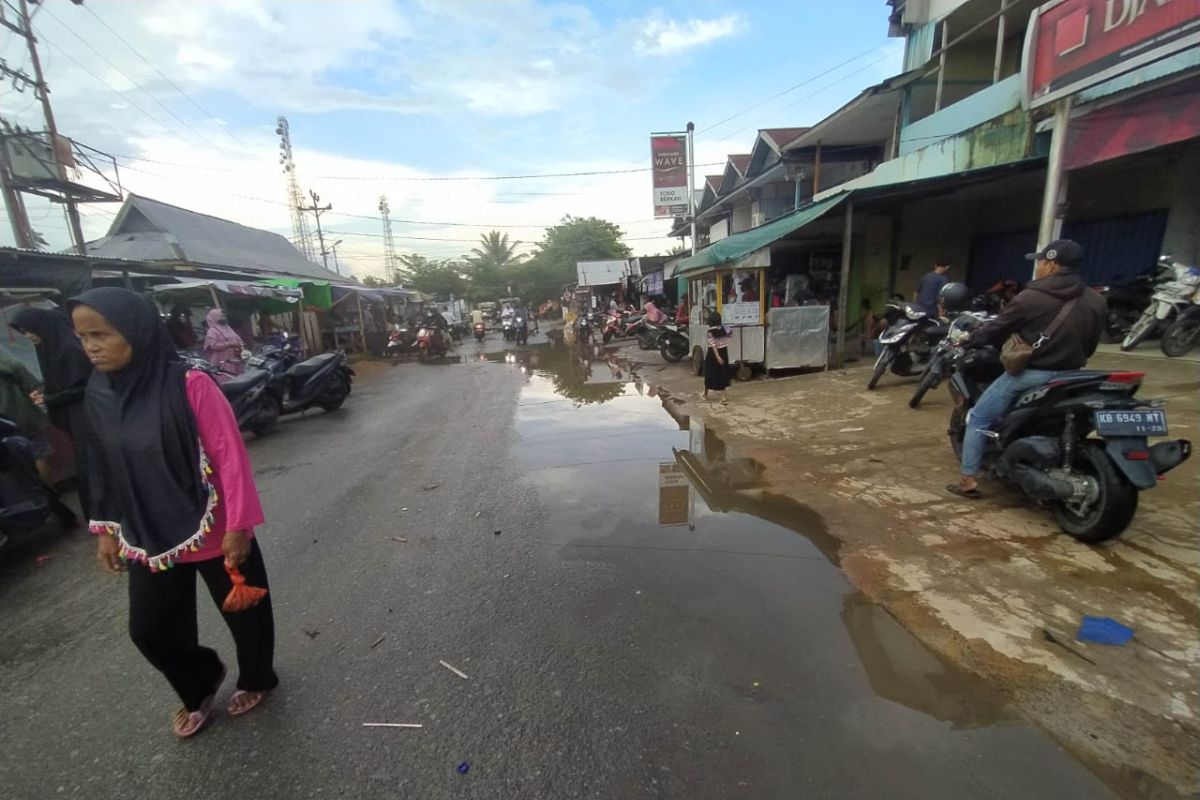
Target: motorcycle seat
{"x": 306, "y": 368}
{"x": 242, "y": 383}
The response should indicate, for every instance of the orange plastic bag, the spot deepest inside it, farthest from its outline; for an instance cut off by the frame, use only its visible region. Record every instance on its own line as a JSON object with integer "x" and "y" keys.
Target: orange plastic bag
{"x": 241, "y": 596}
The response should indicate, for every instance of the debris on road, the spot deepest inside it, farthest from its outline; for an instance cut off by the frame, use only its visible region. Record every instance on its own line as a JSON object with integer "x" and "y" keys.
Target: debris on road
{"x": 377, "y": 641}
{"x": 497, "y": 533}
{"x": 851, "y": 430}
{"x": 478, "y": 514}
{"x": 455, "y": 670}
{"x": 312, "y": 634}
{"x": 1052, "y": 639}
{"x": 400, "y": 539}
{"x": 1103, "y": 630}
{"x": 432, "y": 486}
{"x": 48, "y": 556}
{"x": 463, "y": 767}
{"x": 392, "y": 725}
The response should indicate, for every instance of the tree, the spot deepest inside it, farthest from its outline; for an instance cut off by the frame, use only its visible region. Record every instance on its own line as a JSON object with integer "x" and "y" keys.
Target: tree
{"x": 552, "y": 265}
{"x": 440, "y": 278}
{"x": 494, "y": 250}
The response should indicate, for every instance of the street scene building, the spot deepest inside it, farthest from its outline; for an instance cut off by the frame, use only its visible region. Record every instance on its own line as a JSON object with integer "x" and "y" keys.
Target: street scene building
{"x": 856, "y": 463}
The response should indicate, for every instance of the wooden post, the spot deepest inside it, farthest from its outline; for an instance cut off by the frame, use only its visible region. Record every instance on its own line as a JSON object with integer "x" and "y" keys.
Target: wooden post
{"x": 844, "y": 283}
{"x": 999, "y": 43}
{"x": 937, "y": 100}
{"x": 362, "y": 324}
{"x": 212, "y": 290}
{"x": 816, "y": 171}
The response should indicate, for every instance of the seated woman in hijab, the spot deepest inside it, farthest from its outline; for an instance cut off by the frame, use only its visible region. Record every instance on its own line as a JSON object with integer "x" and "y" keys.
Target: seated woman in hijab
{"x": 65, "y": 373}
{"x": 222, "y": 346}
{"x": 173, "y": 497}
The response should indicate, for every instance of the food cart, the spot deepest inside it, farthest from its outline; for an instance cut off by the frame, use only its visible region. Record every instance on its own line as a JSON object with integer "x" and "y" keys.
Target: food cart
{"x": 785, "y": 337}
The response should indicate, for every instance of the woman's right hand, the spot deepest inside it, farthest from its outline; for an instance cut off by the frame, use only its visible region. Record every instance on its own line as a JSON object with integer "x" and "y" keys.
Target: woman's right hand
{"x": 108, "y": 553}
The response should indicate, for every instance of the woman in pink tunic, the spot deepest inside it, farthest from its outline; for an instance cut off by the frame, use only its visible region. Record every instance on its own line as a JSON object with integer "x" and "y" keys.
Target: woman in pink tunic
{"x": 222, "y": 345}
{"x": 173, "y": 497}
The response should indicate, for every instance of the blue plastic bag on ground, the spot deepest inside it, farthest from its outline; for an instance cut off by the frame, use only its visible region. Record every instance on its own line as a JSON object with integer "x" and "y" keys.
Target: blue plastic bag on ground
{"x": 1103, "y": 630}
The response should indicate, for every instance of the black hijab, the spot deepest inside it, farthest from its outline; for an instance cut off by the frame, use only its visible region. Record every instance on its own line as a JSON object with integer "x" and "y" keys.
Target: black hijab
{"x": 64, "y": 366}
{"x": 146, "y": 474}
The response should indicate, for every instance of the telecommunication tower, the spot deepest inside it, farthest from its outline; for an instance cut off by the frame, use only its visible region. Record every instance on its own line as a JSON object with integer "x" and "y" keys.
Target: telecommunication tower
{"x": 295, "y": 199}
{"x": 391, "y": 262}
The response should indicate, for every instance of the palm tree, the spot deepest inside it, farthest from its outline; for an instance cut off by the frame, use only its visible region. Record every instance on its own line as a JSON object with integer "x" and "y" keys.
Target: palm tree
{"x": 495, "y": 251}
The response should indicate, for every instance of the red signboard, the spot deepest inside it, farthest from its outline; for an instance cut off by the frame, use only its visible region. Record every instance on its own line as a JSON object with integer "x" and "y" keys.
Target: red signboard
{"x": 1074, "y": 44}
{"x": 1169, "y": 115}
{"x": 670, "y": 175}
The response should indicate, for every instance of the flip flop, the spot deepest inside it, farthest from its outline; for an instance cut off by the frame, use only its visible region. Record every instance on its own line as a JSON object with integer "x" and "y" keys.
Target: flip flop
{"x": 240, "y": 693}
{"x": 972, "y": 494}
{"x": 192, "y": 722}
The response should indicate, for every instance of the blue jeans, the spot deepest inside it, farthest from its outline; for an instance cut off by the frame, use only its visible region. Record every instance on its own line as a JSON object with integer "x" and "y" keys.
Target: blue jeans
{"x": 993, "y": 405}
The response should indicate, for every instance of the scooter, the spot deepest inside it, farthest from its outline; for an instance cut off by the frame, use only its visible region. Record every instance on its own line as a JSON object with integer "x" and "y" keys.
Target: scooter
{"x": 945, "y": 357}
{"x": 521, "y": 331}
{"x": 431, "y": 344}
{"x": 1169, "y": 300}
{"x": 507, "y": 328}
{"x": 480, "y": 331}
{"x": 1044, "y": 445}
{"x": 25, "y": 501}
{"x": 1184, "y": 333}
{"x": 610, "y": 327}
{"x": 400, "y": 341}
{"x": 908, "y": 343}
{"x": 256, "y": 400}
{"x": 673, "y": 343}
{"x": 323, "y": 381}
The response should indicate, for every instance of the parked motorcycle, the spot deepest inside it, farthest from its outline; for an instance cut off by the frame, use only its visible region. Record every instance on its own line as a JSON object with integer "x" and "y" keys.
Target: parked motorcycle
{"x": 1184, "y": 333}
{"x": 945, "y": 357}
{"x": 323, "y": 381}
{"x": 1169, "y": 300}
{"x": 480, "y": 331}
{"x": 400, "y": 342}
{"x": 1125, "y": 302}
{"x": 1045, "y": 447}
{"x": 908, "y": 343}
{"x": 431, "y": 343}
{"x": 673, "y": 343}
{"x": 256, "y": 399}
{"x": 610, "y": 326}
{"x": 25, "y": 501}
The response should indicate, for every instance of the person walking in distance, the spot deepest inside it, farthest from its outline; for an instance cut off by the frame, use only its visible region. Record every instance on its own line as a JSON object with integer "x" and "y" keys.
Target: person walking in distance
{"x": 173, "y": 497}
{"x": 716, "y": 357}
{"x": 1061, "y": 317}
{"x": 926, "y": 296}
{"x": 65, "y": 373}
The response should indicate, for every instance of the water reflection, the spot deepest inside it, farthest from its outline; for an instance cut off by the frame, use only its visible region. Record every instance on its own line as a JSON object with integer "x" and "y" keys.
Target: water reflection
{"x": 583, "y": 373}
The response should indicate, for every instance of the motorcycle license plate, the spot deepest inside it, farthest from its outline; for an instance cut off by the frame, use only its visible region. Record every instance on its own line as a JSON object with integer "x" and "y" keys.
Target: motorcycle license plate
{"x": 1131, "y": 423}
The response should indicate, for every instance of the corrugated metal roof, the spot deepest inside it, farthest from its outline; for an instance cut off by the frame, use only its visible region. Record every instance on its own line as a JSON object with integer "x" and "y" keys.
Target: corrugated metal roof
{"x": 149, "y": 230}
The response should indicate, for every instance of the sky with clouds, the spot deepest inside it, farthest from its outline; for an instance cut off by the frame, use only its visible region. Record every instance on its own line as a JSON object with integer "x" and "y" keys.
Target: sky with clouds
{"x": 394, "y": 97}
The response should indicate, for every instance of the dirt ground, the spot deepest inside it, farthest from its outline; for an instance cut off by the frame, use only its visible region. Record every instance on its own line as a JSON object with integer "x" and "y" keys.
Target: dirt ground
{"x": 985, "y": 582}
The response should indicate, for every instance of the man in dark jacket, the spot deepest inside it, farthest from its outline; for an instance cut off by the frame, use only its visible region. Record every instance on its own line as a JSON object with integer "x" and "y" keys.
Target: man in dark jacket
{"x": 1030, "y": 314}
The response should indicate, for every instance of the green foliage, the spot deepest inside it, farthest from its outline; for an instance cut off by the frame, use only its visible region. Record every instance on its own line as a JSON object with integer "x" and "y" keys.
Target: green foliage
{"x": 552, "y": 265}
{"x": 438, "y": 277}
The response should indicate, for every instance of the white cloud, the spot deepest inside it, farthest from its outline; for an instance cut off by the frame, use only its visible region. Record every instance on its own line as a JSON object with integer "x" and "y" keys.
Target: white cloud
{"x": 667, "y": 36}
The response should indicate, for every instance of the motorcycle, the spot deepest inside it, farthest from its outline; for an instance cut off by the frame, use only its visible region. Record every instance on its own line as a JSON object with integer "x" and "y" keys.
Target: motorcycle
{"x": 25, "y": 500}
{"x": 400, "y": 341}
{"x": 507, "y": 328}
{"x": 945, "y": 357}
{"x": 1184, "y": 333}
{"x": 610, "y": 327}
{"x": 431, "y": 343}
{"x": 480, "y": 331}
{"x": 1126, "y": 301}
{"x": 256, "y": 400}
{"x": 908, "y": 343}
{"x": 673, "y": 343}
{"x": 324, "y": 380}
{"x": 1044, "y": 445}
{"x": 1170, "y": 299}
{"x": 521, "y": 331}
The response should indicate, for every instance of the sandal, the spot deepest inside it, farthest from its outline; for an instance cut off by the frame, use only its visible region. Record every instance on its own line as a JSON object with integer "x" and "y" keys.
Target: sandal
{"x": 188, "y": 723}
{"x": 970, "y": 494}
{"x": 255, "y": 701}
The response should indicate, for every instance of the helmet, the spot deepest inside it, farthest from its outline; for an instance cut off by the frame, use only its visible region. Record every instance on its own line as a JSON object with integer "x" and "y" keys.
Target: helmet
{"x": 954, "y": 297}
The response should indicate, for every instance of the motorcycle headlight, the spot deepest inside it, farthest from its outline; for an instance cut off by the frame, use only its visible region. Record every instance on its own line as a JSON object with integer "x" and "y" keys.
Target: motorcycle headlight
{"x": 958, "y": 335}
{"x": 519, "y": 320}
{"x": 422, "y": 332}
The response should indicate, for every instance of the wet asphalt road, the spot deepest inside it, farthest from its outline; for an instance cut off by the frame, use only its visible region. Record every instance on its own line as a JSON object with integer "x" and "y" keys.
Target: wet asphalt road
{"x": 608, "y": 656}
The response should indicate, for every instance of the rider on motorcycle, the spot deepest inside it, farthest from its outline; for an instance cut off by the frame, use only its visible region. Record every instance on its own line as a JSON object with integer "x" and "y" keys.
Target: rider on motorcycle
{"x": 1029, "y": 314}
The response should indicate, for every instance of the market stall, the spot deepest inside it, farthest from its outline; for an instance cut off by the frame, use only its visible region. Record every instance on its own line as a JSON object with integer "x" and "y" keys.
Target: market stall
{"x": 255, "y": 310}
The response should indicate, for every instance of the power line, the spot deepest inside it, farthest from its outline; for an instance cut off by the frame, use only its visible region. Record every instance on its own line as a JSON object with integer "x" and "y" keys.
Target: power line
{"x": 134, "y": 83}
{"x": 162, "y": 75}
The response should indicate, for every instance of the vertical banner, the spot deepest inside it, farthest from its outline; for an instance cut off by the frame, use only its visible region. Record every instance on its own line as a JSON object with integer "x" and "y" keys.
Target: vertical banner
{"x": 674, "y": 495}
{"x": 669, "y": 175}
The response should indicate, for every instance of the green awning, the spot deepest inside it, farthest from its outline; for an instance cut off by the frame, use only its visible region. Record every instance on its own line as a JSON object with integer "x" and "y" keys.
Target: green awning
{"x": 317, "y": 294}
{"x": 739, "y": 245}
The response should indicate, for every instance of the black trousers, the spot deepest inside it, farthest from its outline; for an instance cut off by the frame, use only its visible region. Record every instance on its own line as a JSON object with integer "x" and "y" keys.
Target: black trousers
{"x": 162, "y": 623}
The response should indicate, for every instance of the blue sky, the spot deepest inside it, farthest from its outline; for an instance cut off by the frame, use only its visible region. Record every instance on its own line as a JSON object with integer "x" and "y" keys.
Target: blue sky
{"x": 380, "y": 94}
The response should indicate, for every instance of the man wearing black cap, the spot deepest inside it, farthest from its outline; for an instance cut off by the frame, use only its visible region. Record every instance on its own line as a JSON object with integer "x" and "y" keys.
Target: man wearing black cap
{"x": 1031, "y": 314}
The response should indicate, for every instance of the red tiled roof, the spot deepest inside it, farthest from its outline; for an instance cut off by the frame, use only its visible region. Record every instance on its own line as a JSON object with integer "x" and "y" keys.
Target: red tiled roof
{"x": 713, "y": 181}
{"x": 740, "y": 162}
{"x": 781, "y": 136}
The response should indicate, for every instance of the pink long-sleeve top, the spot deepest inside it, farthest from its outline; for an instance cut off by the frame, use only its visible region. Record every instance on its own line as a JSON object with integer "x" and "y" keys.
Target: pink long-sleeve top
{"x": 238, "y": 507}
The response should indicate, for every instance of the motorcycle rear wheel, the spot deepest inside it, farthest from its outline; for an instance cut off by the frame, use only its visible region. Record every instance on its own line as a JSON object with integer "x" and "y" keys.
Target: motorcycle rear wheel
{"x": 1110, "y": 515}
{"x": 698, "y": 361}
{"x": 672, "y": 349}
{"x": 1140, "y": 331}
{"x": 336, "y": 396}
{"x": 271, "y": 409}
{"x": 957, "y": 431}
{"x": 1180, "y": 337}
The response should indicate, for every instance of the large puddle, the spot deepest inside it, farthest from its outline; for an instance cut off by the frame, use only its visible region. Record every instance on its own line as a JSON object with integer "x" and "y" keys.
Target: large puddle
{"x": 619, "y": 467}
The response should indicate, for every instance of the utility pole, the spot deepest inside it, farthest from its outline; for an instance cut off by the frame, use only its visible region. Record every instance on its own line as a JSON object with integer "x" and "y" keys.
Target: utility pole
{"x": 333, "y": 249}
{"x": 391, "y": 264}
{"x": 691, "y": 167}
{"x": 17, "y": 215}
{"x": 317, "y": 210}
{"x": 24, "y": 29}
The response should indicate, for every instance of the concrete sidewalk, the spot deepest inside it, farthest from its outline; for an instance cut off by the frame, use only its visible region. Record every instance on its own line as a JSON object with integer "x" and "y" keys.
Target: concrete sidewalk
{"x": 988, "y": 582}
